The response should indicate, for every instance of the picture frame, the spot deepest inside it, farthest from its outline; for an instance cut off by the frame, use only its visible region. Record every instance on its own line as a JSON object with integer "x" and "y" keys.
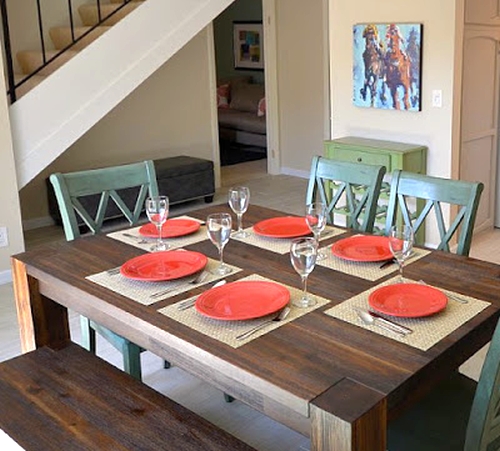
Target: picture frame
{"x": 248, "y": 48}
{"x": 387, "y": 71}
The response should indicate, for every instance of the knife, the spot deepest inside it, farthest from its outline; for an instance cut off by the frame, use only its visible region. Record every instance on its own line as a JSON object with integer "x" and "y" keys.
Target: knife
{"x": 387, "y": 263}
{"x": 383, "y": 319}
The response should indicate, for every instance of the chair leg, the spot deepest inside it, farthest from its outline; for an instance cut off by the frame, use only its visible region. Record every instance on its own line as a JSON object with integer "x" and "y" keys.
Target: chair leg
{"x": 228, "y": 398}
{"x": 132, "y": 360}
{"x": 88, "y": 335}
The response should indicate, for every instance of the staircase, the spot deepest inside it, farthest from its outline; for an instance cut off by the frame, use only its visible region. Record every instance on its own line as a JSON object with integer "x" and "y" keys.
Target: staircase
{"x": 108, "y": 64}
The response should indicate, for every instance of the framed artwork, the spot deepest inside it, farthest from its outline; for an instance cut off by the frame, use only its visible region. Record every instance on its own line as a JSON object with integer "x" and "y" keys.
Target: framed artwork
{"x": 387, "y": 65}
{"x": 248, "y": 45}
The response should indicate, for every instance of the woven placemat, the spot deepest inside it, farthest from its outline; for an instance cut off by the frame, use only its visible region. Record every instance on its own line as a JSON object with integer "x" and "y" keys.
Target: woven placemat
{"x": 134, "y": 238}
{"x": 427, "y": 331}
{"x": 146, "y": 292}
{"x": 365, "y": 270}
{"x": 227, "y": 331}
{"x": 281, "y": 245}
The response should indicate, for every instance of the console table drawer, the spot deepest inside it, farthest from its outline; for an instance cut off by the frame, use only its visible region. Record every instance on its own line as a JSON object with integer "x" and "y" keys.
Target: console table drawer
{"x": 359, "y": 156}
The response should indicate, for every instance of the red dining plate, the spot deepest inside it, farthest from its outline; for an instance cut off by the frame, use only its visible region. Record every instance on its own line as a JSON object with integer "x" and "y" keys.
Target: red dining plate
{"x": 243, "y": 300}
{"x": 171, "y": 229}
{"x": 167, "y": 265}
{"x": 363, "y": 248}
{"x": 410, "y": 300}
{"x": 283, "y": 227}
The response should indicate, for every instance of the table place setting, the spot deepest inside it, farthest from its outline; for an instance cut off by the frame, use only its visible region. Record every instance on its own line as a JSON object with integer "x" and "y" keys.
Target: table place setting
{"x": 176, "y": 233}
{"x": 148, "y": 292}
{"x": 420, "y": 324}
{"x": 220, "y": 322}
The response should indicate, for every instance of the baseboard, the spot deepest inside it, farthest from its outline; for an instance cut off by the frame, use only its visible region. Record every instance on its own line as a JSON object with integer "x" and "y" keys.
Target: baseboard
{"x": 37, "y": 223}
{"x": 5, "y": 277}
{"x": 295, "y": 172}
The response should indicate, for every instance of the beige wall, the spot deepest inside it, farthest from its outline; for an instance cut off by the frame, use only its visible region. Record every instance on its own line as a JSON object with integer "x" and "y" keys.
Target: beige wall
{"x": 169, "y": 114}
{"x": 301, "y": 66}
{"x": 9, "y": 199}
{"x": 431, "y": 126}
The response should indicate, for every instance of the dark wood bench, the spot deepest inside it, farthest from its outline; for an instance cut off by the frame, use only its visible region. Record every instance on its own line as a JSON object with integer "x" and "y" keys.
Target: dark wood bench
{"x": 71, "y": 400}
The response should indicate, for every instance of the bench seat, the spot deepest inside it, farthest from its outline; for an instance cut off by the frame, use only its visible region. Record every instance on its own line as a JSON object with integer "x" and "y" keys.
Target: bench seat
{"x": 70, "y": 400}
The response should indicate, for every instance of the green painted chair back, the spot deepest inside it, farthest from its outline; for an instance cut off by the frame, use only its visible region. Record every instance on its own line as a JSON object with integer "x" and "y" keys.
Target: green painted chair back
{"x": 350, "y": 189}
{"x": 483, "y": 429}
{"x": 70, "y": 187}
{"x": 435, "y": 192}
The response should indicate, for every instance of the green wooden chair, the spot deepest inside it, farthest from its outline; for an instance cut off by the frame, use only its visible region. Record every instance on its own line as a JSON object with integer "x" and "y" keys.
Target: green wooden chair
{"x": 70, "y": 190}
{"x": 458, "y": 415}
{"x": 432, "y": 193}
{"x": 350, "y": 189}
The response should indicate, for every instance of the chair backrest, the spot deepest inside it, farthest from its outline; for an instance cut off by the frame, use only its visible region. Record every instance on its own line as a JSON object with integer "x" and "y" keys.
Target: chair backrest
{"x": 70, "y": 187}
{"x": 482, "y": 428}
{"x": 408, "y": 188}
{"x": 350, "y": 189}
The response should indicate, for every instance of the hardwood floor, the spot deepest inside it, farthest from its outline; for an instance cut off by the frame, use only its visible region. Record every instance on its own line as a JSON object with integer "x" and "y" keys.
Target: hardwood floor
{"x": 275, "y": 191}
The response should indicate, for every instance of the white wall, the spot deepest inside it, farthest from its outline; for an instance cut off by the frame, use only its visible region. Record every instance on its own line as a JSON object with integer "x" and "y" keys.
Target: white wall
{"x": 170, "y": 114}
{"x": 432, "y": 126}
{"x": 9, "y": 199}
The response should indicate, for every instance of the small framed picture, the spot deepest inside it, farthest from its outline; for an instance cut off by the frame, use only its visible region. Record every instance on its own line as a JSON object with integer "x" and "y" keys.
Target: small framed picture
{"x": 248, "y": 45}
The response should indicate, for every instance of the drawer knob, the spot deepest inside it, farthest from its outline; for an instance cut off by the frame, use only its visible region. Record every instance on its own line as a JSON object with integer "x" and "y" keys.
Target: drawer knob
{"x": 360, "y": 159}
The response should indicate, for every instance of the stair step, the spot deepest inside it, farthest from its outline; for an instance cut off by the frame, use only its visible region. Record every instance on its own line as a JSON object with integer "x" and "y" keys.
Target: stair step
{"x": 31, "y": 60}
{"x": 61, "y": 36}
{"x": 28, "y": 85}
{"x": 90, "y": 17}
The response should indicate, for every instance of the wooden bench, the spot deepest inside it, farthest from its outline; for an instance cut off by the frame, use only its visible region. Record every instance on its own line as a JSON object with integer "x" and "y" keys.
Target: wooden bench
{"x": 71, "y": 400}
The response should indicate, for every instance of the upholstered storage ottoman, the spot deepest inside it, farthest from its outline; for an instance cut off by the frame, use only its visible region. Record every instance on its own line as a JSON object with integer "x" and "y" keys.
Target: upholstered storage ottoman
{"x": 180, "y": 178}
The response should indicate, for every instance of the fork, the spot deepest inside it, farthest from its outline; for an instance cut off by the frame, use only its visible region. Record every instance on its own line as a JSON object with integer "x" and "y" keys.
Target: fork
{"x": 450, "y": 296}
{"x": 136, "y": 238}
{"x": 198, "y": 279}
{"x": 279, "y": 317}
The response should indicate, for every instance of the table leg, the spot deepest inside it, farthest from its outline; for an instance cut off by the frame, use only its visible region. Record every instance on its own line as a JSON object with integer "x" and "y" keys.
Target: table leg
{"x": 349, "y": 417}
{"x": 42, "y": 322}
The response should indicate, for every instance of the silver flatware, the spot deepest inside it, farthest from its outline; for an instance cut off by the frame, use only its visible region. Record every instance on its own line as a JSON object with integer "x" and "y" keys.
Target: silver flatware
{"x": 367, "y": 318}
{"x": 138, "y": 240}
{"x": 279, "y": 317}
{"x": 113, "y": 271}
{"x": 384, "y": 319}
{"x": 184, "y": 305}
{"x": 449, "y": 296}
{"x": 201, "y": 277}
{"x": 387, "y": 263}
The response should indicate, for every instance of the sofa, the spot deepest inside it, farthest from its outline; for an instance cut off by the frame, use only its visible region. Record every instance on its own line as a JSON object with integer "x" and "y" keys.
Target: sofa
{"x": 242, "y": 112}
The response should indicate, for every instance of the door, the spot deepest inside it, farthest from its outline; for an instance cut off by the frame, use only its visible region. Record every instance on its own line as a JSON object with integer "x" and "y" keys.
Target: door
{"x": 479, "y": 138}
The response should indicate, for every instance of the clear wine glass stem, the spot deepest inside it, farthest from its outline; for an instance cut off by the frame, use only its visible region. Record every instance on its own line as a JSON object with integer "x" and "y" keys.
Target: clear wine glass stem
{"x": 304, "y": 287}
{"x": 221, "y": 257}
{"x": 240, "y": 222}
{"x": 160, "y": 242}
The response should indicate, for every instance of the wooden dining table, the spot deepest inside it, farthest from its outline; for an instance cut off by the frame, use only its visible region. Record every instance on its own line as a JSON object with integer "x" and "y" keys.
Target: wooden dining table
{"x": 336, "y": 382}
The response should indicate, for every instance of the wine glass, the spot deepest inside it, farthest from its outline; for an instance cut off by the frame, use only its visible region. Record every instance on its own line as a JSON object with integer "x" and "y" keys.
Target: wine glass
{"x": 303, "y": 252}
{"x": 239, "y": 198}
{"x": 157, "y": 211}
{"x": 316, "y": 220}
{"x": 219, "y": 229}
{"x": 401, "y": 239}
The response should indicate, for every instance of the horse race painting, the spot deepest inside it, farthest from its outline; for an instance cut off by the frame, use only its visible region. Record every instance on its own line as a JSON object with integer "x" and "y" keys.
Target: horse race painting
{"x": 386, "y": 66}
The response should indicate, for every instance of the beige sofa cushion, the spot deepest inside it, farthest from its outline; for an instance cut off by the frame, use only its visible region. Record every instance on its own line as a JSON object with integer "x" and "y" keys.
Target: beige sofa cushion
{"x": 246, "y": 96}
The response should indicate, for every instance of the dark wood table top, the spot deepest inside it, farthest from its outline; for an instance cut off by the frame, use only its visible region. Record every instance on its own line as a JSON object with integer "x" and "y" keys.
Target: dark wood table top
{"x": 311, "y": 374}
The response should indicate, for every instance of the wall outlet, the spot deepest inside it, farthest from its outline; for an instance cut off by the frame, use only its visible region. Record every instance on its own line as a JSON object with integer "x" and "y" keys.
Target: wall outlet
{"x": 437, "y": 98}
{"x": 4, "y": 237}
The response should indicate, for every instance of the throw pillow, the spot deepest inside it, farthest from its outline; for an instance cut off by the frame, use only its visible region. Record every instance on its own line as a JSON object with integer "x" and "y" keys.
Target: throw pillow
{"x": 246, "y": 96}
{"x": 223, "y": 92}
{"x": 261, "y": 109}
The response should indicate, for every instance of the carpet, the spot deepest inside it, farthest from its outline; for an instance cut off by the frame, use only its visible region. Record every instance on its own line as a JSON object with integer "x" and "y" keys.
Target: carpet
{"x": 232, "y": 153}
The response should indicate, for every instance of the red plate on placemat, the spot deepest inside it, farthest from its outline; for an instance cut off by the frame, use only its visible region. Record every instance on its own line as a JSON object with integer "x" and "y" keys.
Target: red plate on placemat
{"x": 171, "y": 229}
{"x": 363, "y": 248}
{"x": 409, "y": 300}
{"x": 167, "y": 265}
{"x": 283, "y": 227}
{"x": 243, "y": 300}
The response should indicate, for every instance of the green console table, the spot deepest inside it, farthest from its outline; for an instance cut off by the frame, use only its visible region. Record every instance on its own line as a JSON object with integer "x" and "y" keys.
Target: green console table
{"x": 393, "y": 155}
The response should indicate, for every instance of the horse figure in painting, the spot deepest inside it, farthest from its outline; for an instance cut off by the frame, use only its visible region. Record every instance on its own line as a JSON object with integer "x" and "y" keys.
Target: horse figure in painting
{"x": 413, "y": 52}
{"x": 397, "y": 68}
{"x": 373, "y": 59}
